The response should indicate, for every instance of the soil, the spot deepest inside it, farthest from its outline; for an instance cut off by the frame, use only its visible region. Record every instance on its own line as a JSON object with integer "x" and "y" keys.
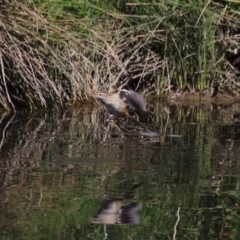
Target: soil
{"x": 196, "y": 99}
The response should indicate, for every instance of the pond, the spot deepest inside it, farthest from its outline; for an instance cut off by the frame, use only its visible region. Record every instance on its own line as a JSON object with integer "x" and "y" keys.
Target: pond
{"x": 75, "y": 175}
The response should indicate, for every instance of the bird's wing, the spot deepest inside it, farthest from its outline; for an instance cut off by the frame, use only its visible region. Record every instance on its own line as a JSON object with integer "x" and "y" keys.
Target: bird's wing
{"x": 133, "y": 99}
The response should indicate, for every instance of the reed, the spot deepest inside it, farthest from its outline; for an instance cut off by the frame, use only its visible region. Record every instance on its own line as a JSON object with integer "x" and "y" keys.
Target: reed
{"x": 57, "y": 53}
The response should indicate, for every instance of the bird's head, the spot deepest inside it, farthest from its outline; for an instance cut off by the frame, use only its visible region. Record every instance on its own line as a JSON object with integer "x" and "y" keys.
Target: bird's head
{"x": 101, "y": 96}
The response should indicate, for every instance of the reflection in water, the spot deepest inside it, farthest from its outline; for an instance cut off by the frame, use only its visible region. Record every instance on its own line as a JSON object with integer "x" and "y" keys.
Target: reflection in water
{"x": 55, "y": 168}
{"x": 116, "y": 212}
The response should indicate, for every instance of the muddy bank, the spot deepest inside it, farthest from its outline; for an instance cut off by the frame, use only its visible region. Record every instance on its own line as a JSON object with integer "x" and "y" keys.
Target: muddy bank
{"x": 196, "y": 99}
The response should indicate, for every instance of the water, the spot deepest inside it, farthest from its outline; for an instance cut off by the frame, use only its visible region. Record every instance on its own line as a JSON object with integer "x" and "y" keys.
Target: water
{"x": 72, "y": 175}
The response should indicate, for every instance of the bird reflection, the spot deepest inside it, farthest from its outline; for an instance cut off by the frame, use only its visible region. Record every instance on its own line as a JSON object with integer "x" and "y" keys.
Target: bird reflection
{"x": 116, "y": 212}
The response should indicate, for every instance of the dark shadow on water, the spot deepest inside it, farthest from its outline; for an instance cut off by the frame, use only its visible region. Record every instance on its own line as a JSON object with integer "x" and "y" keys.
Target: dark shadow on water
{"x": 57, "y": 169}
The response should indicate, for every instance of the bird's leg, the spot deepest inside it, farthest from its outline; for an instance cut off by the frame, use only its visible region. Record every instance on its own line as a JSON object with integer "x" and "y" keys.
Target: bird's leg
{"x": 111, "y": 117}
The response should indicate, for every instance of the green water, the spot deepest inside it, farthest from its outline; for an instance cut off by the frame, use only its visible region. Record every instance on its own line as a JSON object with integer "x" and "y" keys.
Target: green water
{"x": 57, "y": 169}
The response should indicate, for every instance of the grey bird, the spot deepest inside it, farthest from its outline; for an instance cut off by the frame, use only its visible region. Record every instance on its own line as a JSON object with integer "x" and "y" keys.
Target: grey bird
{"x": 117, "y": 102}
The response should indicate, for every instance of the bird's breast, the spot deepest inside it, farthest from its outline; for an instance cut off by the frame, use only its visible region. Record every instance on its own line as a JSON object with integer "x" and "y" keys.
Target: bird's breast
{"x": 115, "y": 105}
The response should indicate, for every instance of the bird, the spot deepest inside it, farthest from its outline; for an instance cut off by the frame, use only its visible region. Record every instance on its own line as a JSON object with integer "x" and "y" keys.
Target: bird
{"x": 119, "y": 101}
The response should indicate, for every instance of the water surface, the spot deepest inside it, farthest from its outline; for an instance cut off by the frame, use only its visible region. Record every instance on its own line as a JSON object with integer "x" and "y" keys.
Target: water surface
{"x": 73, "y": 175}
